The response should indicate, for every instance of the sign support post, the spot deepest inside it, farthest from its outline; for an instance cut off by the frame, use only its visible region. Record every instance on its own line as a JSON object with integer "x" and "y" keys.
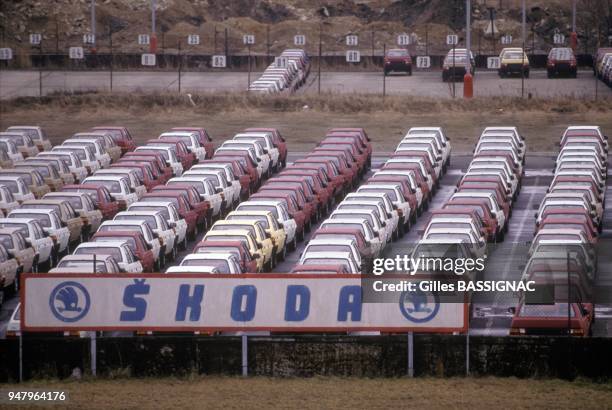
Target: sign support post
{"x": 384, "y": 73}
{"x": 20, "y": 357}
{"x": 467, "y": 353}
{"x": 93, "y": 351}
{"x": 410, "y": 354}
{"x": 245, "y": 356}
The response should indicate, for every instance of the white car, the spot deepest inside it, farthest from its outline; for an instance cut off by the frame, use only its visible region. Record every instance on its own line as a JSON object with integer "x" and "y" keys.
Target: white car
{"x": 118, "y": 186}
{"x": 230, "y": 193}
{"x": 496, "y": 210}
{"x": 224, "y": 262}
{"x": 132, "y": 176}
{"x": 50, "y": 223}
{"x": 229, "y": 176}
{"x": 22, "y": 141}
{"x": 334, "y": 245}
{"x": 169, "y": 155}
{"x": 565, "y": 204}
{"x": 420, "y": 163}
{"x": 191, "y": 141}
{"x": 504, "y": 129}
{"x": 588, "y": 129}
{"x": 478, "y": 245}
{"x": 206, "y": 190}
{"x": 391, "y": 219}
{"x": 263, "y": 159}
{"x": 7, "y": 145}
{"x": 108, "y": 144}
{"x": 331, "y": 258}
{"x": 394, "y": 194}
{"x": 119, "y": 250}
{"x": 410, "y": 179}
{"x": 85, "y": 264}
{"x": 7, "y": 200}
{"x": 85, "y": 155}
{"x": 264, "y": 138}
{"x": 174, "y": 220}
{"x": 72, "y": 161}
{"x": 100, "y": 153}
{"x": 38, "y": 135}
{"x": 372, "y": 238}
{"x": 159, "y": 226}
{"x": 373, "y": 218}
{"x": 441, "y": 137}
{"x": 34, "y": 235}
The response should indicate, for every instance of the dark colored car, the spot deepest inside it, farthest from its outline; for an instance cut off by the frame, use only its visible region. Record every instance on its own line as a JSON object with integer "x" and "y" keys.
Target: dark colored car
{"x": 561, "y": 61}
{"x": 398, "y": 59}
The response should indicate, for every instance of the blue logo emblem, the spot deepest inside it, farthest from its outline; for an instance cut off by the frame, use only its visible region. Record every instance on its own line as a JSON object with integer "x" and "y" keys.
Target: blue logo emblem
{"x": 69, "y": 301}
{"x": 419, "y": 306}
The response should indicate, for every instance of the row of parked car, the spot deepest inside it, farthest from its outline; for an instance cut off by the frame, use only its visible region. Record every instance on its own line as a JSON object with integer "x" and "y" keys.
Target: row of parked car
{"x": 382, "y": 209}
{"x": 563, "y": 253}
{"x": 479, "y": 210}
{"x": 287, "y": 73}
{"x": 602, "y": 65}
{"x": 261, "y": 230}
{"x": 194, "y": 189}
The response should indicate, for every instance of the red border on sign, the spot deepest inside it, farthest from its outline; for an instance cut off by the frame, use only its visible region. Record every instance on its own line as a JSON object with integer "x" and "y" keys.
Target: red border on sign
{"x": 192, "y": 329}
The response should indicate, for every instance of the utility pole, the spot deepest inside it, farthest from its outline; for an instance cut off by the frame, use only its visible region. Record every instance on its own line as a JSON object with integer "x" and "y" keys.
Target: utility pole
{"x": 319, "y": 65}
{"x": 468, "y": 80}
{"x": 110, "y": 36}
{"x": 492, "y": 20}
{"x": 153, "y": 44}
{"x": 93, "y": 25}
{"x": 523, "y": 66}
{"x": 574, "y": 35}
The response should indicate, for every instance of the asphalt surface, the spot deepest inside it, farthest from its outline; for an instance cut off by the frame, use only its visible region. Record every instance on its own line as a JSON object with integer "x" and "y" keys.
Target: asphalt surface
{"x": 421, "y": 83}
{"x": 490, "y": 315}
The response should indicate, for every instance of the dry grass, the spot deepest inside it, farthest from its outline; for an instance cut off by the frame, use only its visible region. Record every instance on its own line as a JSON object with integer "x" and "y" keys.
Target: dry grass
{"x": 304, "y": 119}
{"x": 317, "y": 393}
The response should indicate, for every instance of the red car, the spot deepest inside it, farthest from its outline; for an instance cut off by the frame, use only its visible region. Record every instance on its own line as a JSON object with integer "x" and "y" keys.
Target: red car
{"x": 530, "y": 319}
{"x": 144, "y": 171}
{"x": 135, "y": 240}
{"x": 419, "y": 177}
{"x": 397, "y": 59}
{"x": 240, "y": 172}
{"x": 247, "y": 263}
{"x": 301, "y": 183}
{"x": 323, "y": 190}
{"x": 158, "y": 159}
{"x": 318, "y": 269}
{"x": 297, "y": 193}
{"x": 409, "y": 195}
{"x": 348, "y": 169}
{"x": 360, "y": 133}
{"x": 570, "y": 223}
{"x": 295, "y": 211}
{"x": 192, "y": 197}
{"x": 245, "y": 160}
{"x": 278, "y": 140}
{"x": 337, "y": 180}
{"x": 203, "y": 137}
{"x": 500, "y": 195}
{"x": 353, "y": 158}
{"x": 574, "y": 214}
{"x": 429, "y": 166}
{"x": 121, "y": 135}
{"x": 100, "y": 196}
{"x": 158, "y": 173}
{"x": 186, "y": 157}
{"x": 483, "y": 211}
{"x": 185, "y": 210}
{"x": 360, "y": 152}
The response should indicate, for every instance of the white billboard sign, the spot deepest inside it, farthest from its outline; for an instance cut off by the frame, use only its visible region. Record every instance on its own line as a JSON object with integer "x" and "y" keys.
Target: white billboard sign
{"x": 190, "y": 302}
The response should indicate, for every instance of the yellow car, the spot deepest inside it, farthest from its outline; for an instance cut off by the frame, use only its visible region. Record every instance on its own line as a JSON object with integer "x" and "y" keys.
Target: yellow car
{"x": 513, "y": 61}
{"x": 242, "y": 236}
{"x": 271, "y": 225}
{"x": 261, "y": 237}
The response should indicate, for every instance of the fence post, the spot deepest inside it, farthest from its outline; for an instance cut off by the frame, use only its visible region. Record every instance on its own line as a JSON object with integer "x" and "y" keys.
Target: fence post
{"x": 245, "y": 356}
{"x": 93, "y": 350}
{"x": 410, "y": 354}
{"x": 249, "y": 64}
{"x": 384, "y": 72}
{"x": 179, "y": 66}
{"x": 110, "y": 36}
{"x": 467, "y": 353}
{"x": 40, "y": 80}
{"x": 319, "y": 67}
{"x": 226, "y": 46}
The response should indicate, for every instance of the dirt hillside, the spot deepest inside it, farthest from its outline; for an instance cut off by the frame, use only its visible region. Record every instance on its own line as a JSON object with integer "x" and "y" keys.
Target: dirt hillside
{"x": 275, "y": 22}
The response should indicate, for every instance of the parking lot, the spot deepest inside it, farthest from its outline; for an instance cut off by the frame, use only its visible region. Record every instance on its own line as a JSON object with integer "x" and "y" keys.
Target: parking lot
{"x": 421, "y": 83}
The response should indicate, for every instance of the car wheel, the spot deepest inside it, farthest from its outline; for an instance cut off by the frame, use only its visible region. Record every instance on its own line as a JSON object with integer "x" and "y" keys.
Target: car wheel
{"x": 184, "y": 244}
{"x": 301, "y": 235}
{"x": 283, "y": 254}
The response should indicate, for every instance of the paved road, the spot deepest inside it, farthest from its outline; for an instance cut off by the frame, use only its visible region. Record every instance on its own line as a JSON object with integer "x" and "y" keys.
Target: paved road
{"x": 424, "y": 84}
{"x": 490, "y": 315}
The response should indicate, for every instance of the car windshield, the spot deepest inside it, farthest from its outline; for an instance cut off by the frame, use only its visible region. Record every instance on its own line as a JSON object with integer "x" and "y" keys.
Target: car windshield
{"x": 221, "y": 264}
{"x": 164, "y": 152}
{"x": 249, "y": 228}
{"x": 246, "y": 207}
{"x": 75, "y": 201}
{"x": 326, "y": 261}
{"x": 79, "y": 152}
{"x": 43, "y": 219}
{"x": 7, "y": 241}
{"x": 397, "y": 53}
{"x": 115, "y": 252}
{"x": 23, "y": 228}
{"x": 11, "y": 185}
{"x": 130, "y": 242}
{"x": 388, "y": 191}
{"x": 100, "y": 265}
{"x": 552, "y": 310}
{"x": 112, "y": 186}
{"x": 148, "y": 219}
{"x": 328, "y": 248}
{"x": 263, "y": 219}
{"x": 513, "y": 55}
